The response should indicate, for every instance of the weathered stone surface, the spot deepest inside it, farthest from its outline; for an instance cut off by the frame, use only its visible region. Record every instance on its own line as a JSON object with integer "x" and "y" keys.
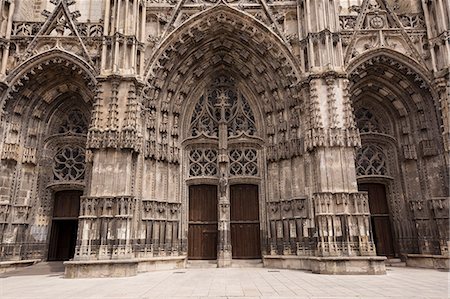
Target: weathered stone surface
{"x": 342, "y": 122}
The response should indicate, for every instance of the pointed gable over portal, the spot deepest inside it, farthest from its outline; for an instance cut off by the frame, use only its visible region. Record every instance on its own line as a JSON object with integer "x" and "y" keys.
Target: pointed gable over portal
{"x": 377, "y": 25}
{"x": 59, "y": 31}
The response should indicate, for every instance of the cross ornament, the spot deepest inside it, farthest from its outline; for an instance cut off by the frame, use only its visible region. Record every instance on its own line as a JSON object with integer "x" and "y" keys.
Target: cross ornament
{"x": 222, "y": 104}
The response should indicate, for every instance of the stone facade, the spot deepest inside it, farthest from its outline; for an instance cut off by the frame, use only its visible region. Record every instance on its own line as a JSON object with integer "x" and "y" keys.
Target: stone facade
{"x": 132, "y": 102}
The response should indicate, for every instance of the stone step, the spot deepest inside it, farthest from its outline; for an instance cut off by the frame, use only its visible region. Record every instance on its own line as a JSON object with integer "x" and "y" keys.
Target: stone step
{"x": 395, "y": 263}
{"x": 235, "y": 263}
{"x": 254, "y": 263}
{"x": 201, "y": 264}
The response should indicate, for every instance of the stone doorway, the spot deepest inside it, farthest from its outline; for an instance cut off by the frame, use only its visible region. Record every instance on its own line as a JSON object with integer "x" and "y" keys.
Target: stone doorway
{"x": 379, "y": 216}
{"x": 244, "y": 220}
{"x": 64, "y": 228}
{"x": 202, "y": 236}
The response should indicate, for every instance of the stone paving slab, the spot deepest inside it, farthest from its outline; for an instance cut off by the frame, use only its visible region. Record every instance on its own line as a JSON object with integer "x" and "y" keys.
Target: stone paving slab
{"x": 232, "y": 283}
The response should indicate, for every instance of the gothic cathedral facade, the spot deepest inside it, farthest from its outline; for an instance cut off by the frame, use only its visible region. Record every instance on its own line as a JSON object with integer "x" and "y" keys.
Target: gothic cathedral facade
{"x": 143, "y": 134}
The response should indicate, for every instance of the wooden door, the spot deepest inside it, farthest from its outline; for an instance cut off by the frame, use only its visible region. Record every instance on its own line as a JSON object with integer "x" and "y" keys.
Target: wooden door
{"x": 64, "y": 228}
{"x": 202, "y": 235}
{"x": 244, "y": 216}
{"x": 63, "y": 240}
{"x": 379, "y": 214}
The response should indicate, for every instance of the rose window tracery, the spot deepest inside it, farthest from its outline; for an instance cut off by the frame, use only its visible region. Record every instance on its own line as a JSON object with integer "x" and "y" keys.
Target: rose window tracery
{"x": 69, "y": 164}
{"x": 371, "y": 160}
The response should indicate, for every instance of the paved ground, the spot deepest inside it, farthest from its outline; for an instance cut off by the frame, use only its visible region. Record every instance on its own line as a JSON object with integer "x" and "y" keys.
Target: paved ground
{"x": 46, "y": 281}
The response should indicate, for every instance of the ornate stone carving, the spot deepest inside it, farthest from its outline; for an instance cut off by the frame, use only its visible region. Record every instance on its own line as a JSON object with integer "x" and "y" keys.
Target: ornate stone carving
{"x": 69, "y": 164}
{"x": 222, "y": 100}
{"x": 243, "y": 162}
{"x": 371, "y": 160}
{"x": 203, "y": 162}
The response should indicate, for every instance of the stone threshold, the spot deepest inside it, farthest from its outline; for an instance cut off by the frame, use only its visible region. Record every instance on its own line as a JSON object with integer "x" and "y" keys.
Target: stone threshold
{"x": 121, "y": 268}
{"x": 342, "y": 265}
{"x": 429, "y": 261}
{"x": 6, "y": 266}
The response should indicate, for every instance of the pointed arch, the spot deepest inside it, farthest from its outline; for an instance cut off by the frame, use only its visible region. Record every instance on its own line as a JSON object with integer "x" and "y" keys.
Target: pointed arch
{"x": 74, "y": 74}
{"x": 223, "y": 14}
{"x": 223, "y": 39}
{"x": 396, "y": 59}
{"x": 40, "y": 59}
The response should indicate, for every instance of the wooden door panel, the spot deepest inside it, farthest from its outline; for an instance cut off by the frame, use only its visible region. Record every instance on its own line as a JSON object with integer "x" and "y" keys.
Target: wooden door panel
{"x": 202, "y": 234}
{"x": 383, "y": 236}
{"x": 63, "y": 235}
{"x": 244, "y": 203}
{"x": 203, "y": 203}
{"x": 67, "y": 204}
{"x": 244, "y": 216}
{"x": 379, "y": 213}
{"x": 377, "y": 198}
{"x": 245, "y": 240}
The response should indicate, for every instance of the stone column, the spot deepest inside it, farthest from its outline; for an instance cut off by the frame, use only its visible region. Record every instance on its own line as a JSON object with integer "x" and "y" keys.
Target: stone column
{"x": 438, "y": 28}
{"x": 6, "y": 13}
{"x": 342, "y": 217}
{"x": 224, "y": 253}
{"x": 109, "y": 211}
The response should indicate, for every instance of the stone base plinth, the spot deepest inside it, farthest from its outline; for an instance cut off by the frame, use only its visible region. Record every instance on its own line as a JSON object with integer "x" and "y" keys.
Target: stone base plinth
{"x": 161, "y": 263}
{"x": 121, "y": 268}
{"x": 440, "y": 262}
{"x": 13, "y": 265}
{"x": 373, "y": 265}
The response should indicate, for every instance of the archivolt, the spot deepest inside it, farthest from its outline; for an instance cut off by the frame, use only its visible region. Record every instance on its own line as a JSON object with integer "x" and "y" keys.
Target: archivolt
{"x": 404, "y": 85}
{"x": 207, "y": 22}
{"x": 395, "y": 60}
{"x": 223, "y": 38}
{"x": 31, "y": 79}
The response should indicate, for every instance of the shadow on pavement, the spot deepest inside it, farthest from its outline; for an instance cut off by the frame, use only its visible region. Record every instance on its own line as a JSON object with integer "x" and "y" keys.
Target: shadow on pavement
{"x": 43, "y": 268}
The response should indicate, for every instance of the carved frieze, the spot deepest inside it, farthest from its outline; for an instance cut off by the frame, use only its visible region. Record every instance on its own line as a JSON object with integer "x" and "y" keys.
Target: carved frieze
{"x": 294, "y": 208}
{"x": 328, "y": 203}
{"x": 106, "y": 207}
{"x": 319, "y": 137}
{"x": 160, "y": 210}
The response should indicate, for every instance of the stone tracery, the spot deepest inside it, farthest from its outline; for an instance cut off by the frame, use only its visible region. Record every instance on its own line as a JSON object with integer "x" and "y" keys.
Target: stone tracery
{"x": 222, "y": 103}
{"x": 371, "y": 160}
{"x": 222, "y": 107}
{"x": 69, "y": 164}
{"x": 367, "y": 122}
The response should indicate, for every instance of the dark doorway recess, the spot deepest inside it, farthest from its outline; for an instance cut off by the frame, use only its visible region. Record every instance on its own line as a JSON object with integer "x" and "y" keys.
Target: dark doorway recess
{"x": 202, "y": 235}
{"x": 244, "y": 216}
{"x": 64, "y": 228}
{"x": 379, "y": 216}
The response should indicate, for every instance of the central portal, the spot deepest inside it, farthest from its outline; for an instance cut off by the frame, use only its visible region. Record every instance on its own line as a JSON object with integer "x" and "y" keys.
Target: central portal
{"x": 223, "y": 149}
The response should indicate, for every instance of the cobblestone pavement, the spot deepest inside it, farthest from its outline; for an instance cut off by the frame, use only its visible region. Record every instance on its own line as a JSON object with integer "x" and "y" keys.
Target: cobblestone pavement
{"x": 40, "y": 282}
